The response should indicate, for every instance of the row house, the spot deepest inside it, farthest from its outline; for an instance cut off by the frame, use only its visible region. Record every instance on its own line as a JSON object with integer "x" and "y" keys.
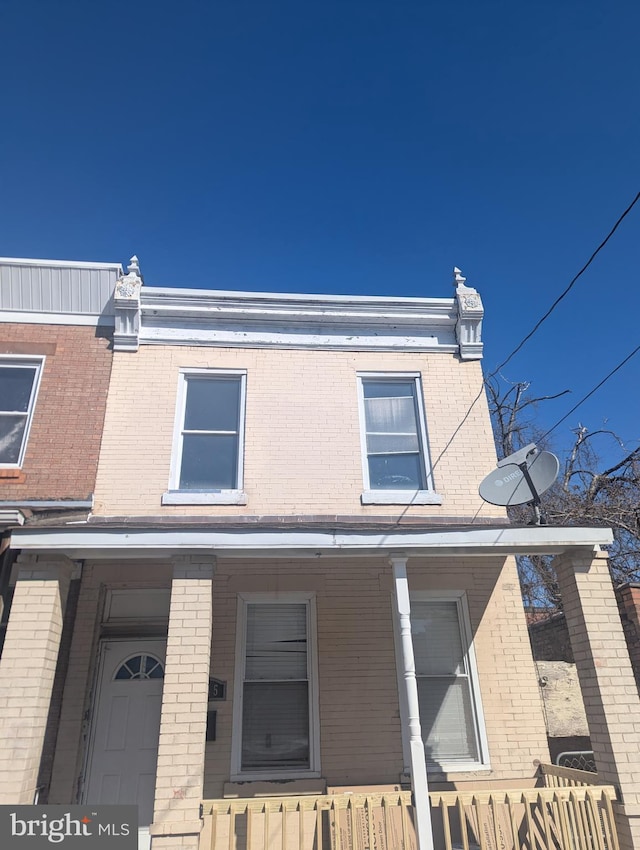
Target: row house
{"x": 289, "y": 593}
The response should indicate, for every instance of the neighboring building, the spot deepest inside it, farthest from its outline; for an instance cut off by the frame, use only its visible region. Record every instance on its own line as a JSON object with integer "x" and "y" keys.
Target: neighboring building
{"x": 56, "y": 329}
{"x": 286, "y": 495}
{"x": 566, "y": 721}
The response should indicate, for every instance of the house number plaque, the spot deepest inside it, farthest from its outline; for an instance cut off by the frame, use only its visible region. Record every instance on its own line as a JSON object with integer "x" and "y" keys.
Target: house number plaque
{"x": 217, "y": 690}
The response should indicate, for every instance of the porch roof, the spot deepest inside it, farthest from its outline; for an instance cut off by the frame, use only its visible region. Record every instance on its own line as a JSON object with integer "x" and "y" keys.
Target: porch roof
{"x": 265, "y": 541}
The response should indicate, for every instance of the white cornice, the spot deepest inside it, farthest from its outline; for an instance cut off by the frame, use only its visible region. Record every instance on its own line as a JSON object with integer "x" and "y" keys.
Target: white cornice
{"x": 198, "y": 317}
{"x": 163, "y": 542}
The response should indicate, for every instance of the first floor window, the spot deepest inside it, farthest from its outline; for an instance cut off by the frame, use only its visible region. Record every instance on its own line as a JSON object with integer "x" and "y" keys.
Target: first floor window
{"x": 276, "y": 720}
{"x": 18, "y": 388}
{"x": 450, "y": 714}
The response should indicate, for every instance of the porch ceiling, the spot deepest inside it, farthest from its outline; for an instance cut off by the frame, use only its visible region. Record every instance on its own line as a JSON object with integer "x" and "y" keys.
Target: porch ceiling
{"x": 131, "y": 542}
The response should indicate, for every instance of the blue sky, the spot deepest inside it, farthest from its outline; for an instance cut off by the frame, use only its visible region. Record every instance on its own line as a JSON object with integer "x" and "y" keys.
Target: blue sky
{"x": 361, "y": 146}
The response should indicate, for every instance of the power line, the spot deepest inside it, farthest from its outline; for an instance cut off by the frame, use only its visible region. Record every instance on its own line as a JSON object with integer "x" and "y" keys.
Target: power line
{"x": 569, "y": 287}
{"x": 591, "y": 392}
{"x": 535, "y": 328}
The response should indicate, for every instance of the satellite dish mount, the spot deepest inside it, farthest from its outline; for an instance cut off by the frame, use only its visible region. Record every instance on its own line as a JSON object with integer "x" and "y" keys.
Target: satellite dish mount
{"x": 520, "y": 479}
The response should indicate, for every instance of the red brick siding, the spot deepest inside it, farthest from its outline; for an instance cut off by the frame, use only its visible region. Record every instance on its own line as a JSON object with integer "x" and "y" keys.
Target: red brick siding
{"x": 628, "y": 597}
{"x": 62, "y": 453}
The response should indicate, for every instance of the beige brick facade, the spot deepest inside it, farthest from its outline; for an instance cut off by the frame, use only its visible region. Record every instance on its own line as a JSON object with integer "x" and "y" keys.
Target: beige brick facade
{"x": 303, "y": 444}
{"x": 360, "y": 733}
{"x": 27, "y": 670}
{"x": 606, "y": 678}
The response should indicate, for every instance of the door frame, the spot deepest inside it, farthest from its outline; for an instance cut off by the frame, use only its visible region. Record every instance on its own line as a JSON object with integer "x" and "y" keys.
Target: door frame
{"x": 94, "y": 701}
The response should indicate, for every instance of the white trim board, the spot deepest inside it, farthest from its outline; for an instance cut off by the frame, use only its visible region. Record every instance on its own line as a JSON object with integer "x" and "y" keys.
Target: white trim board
{"x": 86, "y": 541}
{"x": 23, "y": 318}
{"x": 55, "y": 264}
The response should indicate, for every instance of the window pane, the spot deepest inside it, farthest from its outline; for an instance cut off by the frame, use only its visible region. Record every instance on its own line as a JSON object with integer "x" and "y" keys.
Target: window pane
{"x": 213, "y": 404}
{"x": 276, "y": 642}
{"x": 275, "y": 725}
{"x": 390, "y": 443}
{"x": 15, "y": 388}
{"x": 391, "y": 415}
{"x": 437, "y": 644}
{"x": 209, "y": 462}
{"x": 12, "y": 430}
{"x": 446, "y": 718}
{"x": 396, "y": 472}
{"x": 386, "y": 389}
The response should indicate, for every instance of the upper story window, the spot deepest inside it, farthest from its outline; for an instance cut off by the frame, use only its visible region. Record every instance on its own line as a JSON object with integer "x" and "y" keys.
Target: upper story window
{"x": 19, "y": 380}
{"x": 449, "y": 698}
{"x": 395, "y": 458}
{"x": 206, "y": 465}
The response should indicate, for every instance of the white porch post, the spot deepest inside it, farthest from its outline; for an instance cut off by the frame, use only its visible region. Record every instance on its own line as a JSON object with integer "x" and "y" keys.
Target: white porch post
{"x": 409, "y": 709}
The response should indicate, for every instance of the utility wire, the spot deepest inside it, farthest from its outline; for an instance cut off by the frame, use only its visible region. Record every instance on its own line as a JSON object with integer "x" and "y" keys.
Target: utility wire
{"x": 568, "y": 288}
{"x": 591, "y": 392}
{"x": 533, "y": 331}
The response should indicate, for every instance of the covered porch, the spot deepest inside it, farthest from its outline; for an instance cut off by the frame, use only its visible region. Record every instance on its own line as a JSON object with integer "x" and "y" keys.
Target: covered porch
{"x": 431, "y": 808}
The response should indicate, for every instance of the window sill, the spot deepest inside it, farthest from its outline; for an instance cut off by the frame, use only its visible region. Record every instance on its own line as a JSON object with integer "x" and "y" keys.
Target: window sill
{"x": 274, "y": 776}
{"x": 400, "y": 497}
{"x": 447, "y": 767}
{"x": 192, "y": 497}
{"x": 14, "y": 474}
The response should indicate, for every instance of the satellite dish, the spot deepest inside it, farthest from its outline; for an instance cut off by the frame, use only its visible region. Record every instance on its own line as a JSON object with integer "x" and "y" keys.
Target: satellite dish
{"x": 521, "y": 478}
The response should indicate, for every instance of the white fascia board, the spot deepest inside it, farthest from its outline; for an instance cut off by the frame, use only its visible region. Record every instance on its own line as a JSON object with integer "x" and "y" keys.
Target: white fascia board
{"x": 290, "y": 337}
{"x": 197, "y": 317}
{"x": 72, "y": 264}
{"x": 10, "y": 517}
{"x": 24, "y": 318}
{"x": 189, "y": 296}
{"x": 96, "y": 542}
{"x": 174, "y": 305}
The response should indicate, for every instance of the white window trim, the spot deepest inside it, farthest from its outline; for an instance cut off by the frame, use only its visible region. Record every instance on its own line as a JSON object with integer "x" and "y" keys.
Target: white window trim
{"x": 174, "y": 495}
{"x": 371, "y": 496}
{"x": 38, "y": 363}
{"x": 483, "y": 761}
{"x": 313, "y": 771}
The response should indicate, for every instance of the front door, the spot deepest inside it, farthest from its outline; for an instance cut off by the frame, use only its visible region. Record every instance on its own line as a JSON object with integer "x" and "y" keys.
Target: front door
{"x": 123, "y": 748}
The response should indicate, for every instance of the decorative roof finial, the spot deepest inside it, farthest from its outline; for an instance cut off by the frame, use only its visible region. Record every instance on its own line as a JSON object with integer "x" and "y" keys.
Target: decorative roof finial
{"x": 458, "y": 279}
{"x": 134, "y": 266}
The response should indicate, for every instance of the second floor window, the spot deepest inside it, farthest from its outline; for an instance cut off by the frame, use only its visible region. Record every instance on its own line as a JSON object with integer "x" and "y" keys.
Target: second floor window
{"x": 18, "y": 388}
{"x": 208, "y": 451}
{"x": 394, "y": 437}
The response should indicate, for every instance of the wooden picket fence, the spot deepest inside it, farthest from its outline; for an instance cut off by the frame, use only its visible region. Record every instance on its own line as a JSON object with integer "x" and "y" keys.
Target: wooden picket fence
{"x": 568, "y": 812}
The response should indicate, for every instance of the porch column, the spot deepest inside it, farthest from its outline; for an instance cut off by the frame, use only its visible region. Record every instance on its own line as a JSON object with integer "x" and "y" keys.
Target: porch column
{"x": 409, "y": 709}
{"x": 606, "y": 680}
{"x": 180, "y": 772}
{"x": 27, "y": 671}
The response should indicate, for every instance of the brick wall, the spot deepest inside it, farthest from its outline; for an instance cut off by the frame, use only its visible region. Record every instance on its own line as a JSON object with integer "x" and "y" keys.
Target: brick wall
{"x": 64, "y": 441}
{"x": 550, "y": 637}
{"x": 628, "y": 596}
{"x": 303, "y": 446}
